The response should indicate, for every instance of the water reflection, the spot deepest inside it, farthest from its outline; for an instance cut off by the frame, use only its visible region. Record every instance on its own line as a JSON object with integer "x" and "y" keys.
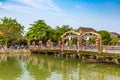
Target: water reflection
{"x": 41, "y": 67}
{"x": 9, "y": 67}
{"x": 50, "y": 68}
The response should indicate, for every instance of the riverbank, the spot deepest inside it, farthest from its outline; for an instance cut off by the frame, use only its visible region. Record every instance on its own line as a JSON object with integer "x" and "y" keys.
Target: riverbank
{"x": 12, "y": 51}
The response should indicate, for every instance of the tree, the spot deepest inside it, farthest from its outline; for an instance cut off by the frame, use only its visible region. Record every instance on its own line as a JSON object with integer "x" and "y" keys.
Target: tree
{"x": 39, "y": 31}
{"x": 92, "y": 40}
{"x": 2, "y": 40}
{"x": 114, "y": 41}
{"x": 58, "y": 31}
{"x": 105, "y": 36}
{"x": 11, "y": 29}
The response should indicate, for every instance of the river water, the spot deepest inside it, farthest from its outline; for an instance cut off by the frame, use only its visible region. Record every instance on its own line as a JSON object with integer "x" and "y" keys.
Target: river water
{"x": 41, "y": 67}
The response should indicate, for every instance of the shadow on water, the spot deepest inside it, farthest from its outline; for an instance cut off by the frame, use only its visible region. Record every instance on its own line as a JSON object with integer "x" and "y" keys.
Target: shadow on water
{"x": 41, "y": 67}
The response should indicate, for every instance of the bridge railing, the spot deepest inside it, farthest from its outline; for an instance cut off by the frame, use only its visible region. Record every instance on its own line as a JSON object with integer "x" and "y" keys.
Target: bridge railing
{"x": 106, "y": 49}
{"x": 72, "y": 47}
{"x": 111, "y": 49}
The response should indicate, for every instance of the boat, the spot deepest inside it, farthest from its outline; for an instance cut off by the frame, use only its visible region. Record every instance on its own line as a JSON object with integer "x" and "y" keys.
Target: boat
{"x": 111, "y": 61}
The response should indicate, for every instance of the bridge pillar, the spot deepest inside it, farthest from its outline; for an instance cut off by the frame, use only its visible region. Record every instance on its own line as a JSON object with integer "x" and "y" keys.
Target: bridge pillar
{"x": 83, "y": 58}
{"x": 58, "y": 55}
{"x": 55, "y": 54}
{"x": 72, "y": 55}
{"x": 46, "y": 53}
{"x": 79, "y": 56}
{"x": 66, "y": 56}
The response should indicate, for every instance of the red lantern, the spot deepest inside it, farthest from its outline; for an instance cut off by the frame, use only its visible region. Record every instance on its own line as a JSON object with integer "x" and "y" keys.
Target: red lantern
{"x": 97, "y": 42}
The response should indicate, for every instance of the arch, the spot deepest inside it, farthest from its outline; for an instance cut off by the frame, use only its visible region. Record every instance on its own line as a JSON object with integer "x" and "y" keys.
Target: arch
{"x": 94, "y": 34}
{"x": 70, "y": 32}
{"x": 69, "y": 35}
{"x": 73, "y": 34}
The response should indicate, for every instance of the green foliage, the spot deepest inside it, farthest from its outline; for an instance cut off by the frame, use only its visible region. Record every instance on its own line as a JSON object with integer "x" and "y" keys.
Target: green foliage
{"x": 105, "y": 36}
{"x": 11, "y": 29}
{"x": 2, "y": 40}
{"x": 114, "y": 40}
{"x": 59, "y": 31}
{"x": 39, "y": 31}
{"x": 74, "y": 40}
{"x": 92, "y": 40}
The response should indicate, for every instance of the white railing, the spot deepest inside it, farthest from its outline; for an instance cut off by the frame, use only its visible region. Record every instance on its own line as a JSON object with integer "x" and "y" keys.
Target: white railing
{"x": 111, "y": 49}
{"x": 72, "y": 47}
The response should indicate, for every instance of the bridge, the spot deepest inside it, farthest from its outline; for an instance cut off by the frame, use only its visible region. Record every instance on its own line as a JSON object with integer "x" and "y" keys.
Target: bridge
{"x": 81, "y": 49}
{"x": 111, "y": 52}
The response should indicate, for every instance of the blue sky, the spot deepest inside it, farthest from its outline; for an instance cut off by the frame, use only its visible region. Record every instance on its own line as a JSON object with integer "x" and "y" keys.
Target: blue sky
{"x": 98, "y": 14}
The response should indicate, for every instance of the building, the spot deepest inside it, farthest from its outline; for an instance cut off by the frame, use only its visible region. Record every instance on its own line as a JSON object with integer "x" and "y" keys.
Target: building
{"x": 114, "y": 35}
{"x": 82, "y": 30}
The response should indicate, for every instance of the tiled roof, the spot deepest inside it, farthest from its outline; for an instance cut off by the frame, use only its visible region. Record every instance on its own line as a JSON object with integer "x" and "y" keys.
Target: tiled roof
{"x": 115, "y": 33}
{"x": 87, "y": 29}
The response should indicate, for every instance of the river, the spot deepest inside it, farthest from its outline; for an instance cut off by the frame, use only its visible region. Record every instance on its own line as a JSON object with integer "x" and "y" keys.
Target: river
{"x": 41, "y": 67}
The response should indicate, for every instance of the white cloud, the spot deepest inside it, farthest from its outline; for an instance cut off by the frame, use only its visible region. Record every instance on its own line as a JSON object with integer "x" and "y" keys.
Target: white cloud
{"x": 0, "y": 4}
{"x": 16, "y": 8}
{"x": 41, "y": 4}
{"x": 78, "y": 6}
{"x": 32, "y": 6}
{"x": 52, "y": 5}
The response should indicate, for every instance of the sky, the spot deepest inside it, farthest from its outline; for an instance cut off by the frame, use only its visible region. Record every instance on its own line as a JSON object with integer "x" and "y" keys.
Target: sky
{"x": 97, "y": 14}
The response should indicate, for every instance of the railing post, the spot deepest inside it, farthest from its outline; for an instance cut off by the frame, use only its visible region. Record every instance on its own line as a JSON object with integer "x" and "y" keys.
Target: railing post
{"x": 100, "y": 44}
{"x": 78, "y": 43}
{"x": 40, "y": 44}
{"x": 62, "y": 46}
{"x": 33, "y": 45}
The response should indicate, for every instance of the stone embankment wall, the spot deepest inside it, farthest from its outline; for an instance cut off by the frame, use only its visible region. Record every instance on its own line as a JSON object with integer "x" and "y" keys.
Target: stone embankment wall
{"x": 12, "y": 51}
